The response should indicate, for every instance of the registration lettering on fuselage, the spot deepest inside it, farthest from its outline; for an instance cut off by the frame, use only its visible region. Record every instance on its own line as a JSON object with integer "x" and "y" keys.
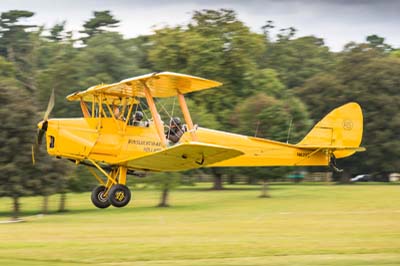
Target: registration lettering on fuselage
{"x": 148, "y": 145}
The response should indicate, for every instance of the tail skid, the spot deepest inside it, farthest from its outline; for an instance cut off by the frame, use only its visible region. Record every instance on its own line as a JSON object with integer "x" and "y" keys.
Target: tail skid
{"x": 333, "y": 165}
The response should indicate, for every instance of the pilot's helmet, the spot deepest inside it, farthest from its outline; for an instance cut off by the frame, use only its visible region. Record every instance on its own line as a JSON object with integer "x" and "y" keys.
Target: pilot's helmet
{"x": 175, "y": 121}
{"x": 138, "y": 116}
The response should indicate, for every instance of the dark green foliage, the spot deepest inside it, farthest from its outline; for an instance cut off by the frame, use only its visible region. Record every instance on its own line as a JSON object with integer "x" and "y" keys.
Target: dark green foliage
{"x": 378, "y": 43}
{"x": 17, "y": 135}
{"x": 57, "y": 33}
{"x": 101, "y": 22}
{"x": 107, "y": 58}
{"x": 17, "y": 45}
{"x": 215, "y": 45}
{"x": 298, "y": 59}
{"x": 370, "y": 77}
{"x": 81, "y": 179}
{"x": 268, "y": 117}
{"x": 60, "y": 70}
{"x": 14, "y": 38}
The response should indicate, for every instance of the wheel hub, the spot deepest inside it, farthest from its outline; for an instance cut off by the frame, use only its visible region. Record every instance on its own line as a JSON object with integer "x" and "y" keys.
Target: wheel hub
{"x": 120, "y": 196}
{"x": 101, "y": 197}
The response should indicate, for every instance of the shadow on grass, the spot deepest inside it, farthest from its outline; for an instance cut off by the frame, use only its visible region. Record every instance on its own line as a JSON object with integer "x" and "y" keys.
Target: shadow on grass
{"x": 229, "y": 188}
{"x": 111, "y": 210}
{"x": 257, "y": 187}
{"x": 29, "y": 213}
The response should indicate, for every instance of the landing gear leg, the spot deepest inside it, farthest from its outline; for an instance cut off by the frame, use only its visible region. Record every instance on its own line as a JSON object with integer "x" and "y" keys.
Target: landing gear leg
{"x": 114, "y": 192}
{"x": 119, "y": 194}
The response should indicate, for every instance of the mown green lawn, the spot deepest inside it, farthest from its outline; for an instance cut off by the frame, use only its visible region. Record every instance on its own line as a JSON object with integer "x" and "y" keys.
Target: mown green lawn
{"x": 298, "y": 225}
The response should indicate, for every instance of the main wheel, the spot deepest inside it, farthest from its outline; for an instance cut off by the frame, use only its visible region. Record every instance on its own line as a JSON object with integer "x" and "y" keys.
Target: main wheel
{"x": 98, "y": 198}
{"x": 119, "y": 195}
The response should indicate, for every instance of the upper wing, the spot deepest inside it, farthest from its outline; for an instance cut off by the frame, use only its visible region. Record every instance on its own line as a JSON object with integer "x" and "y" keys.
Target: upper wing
{"x": 183, "y": 157}
{"x": 164, "y": 84}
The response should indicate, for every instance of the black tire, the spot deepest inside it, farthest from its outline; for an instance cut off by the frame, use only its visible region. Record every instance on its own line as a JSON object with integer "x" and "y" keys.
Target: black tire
{"x": 98, "y": 199}
{"x": 119, "y": 195}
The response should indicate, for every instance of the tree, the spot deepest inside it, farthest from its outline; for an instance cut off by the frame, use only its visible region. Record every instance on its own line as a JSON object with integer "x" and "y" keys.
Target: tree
{"x": 101, "y": 22}
{"x": 165, "y": 182}
{"x": 270, "y": 112}
{"x": 370, "y": 77}
{"x": 58, "y": 34}
{"x": 50, "y": 176}
{"x": 13, "y": 34}
{"x": 378, "y": 43}
{"x": 111, "y": 59}
{"x": 298, "y": 59}
{"x": 16, "y": 134}
{"x": 216, "y": 45}
{"x": 17, "y": 44}
{"x": 59, "y": 70}
{"x": 265, "y": 116}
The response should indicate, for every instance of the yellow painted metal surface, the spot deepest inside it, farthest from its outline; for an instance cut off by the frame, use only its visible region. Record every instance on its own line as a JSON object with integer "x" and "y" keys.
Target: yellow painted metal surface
{"x": 102, "y": 139}
{"x": 140, "y": 148}
{"x": 161, "y": 85}
{"x": 260, "y": 152}
{"x": 183, "y": 157}
{"x": 342, "y": 127}
{"x": 156, "y": 116}
{"x": 186, "y": 115}
{"x": 80, "y": 138}
{"x": 339, "y": 132}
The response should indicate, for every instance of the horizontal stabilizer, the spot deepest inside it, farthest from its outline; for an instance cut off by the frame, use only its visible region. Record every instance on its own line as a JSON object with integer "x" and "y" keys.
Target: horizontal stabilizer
{"x": 332, "y": 148}
{"x": 184, "y": 157}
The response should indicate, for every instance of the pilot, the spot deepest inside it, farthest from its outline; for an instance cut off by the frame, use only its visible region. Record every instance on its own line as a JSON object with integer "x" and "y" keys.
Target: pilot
{"x": 175, "y": 130}
{"x": 137, "y": 120}
{"x": 117, "y": 114}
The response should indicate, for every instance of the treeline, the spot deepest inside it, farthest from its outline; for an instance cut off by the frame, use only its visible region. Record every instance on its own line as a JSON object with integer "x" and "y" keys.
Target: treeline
{"x": 272, "y": 82}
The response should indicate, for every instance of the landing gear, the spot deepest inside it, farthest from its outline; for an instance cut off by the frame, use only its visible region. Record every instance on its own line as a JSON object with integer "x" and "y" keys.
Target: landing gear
{"x": 114, "y": 191}
{"x": 99, "y": 198}
{"x": 119, "y": 195}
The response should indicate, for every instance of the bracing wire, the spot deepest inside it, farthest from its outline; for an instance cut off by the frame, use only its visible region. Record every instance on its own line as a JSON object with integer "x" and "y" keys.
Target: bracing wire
{"x": 144, "y": 113}
{"x": 173, "y": 108}
{"x": 170, "y": 115}
{"x": 289, "y": 130}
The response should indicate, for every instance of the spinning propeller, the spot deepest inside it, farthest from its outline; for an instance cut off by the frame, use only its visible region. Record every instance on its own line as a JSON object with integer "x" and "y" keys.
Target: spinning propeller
{"x": 42, "y": 127}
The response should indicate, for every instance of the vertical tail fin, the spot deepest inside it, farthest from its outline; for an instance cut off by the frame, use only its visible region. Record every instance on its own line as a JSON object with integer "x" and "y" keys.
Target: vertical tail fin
{"x": 341, "y": 128}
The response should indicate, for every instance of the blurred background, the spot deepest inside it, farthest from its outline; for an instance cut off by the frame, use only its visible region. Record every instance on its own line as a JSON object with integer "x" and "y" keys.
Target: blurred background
{"x": 284, "y": 65}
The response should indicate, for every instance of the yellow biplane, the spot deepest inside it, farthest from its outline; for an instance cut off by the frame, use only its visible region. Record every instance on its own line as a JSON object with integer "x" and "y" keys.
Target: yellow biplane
{"x": 108, "y": 138}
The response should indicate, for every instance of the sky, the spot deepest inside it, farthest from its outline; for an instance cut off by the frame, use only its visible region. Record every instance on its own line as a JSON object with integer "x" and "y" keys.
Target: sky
{"x": 337, "y": 21}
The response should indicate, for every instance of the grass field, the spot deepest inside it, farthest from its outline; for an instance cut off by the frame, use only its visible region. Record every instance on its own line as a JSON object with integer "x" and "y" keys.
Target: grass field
{"x": 298, "y": 225}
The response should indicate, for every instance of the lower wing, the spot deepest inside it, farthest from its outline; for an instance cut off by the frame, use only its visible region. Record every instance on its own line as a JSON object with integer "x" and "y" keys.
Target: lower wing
{"x": 182, "y": 157}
